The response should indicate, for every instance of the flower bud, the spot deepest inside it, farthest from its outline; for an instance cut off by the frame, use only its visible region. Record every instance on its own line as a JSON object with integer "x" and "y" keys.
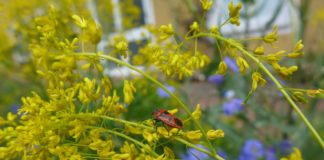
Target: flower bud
{"x": 213, "y": 134}
{"x": 222, "y": 67}
{"x": 259, "y": 50}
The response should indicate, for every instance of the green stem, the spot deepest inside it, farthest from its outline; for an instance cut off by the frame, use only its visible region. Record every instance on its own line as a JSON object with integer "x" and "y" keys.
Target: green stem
{"x": 277, "y": 83}
{"x": 182, "y": 105}
{"x": 148, "y": 149}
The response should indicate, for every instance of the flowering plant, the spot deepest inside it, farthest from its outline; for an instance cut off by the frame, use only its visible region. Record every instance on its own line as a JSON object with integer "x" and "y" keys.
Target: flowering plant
{"x": 82, "y": 113}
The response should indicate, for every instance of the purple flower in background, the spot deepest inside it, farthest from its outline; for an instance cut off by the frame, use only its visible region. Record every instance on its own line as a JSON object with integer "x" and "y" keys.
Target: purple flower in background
{"x": 233, "y": 106}
{"x": 164, "y": 94}
{"x": 270, "y": 154}
{"x": 231, "y": 64}
{"x": 252, "y": 150}
{"x": 285, "y": 146}
{"x": 15, "y": 108}
{"x": 192, "y": 153}
{"x": 222, "y": 154}
{"x": 216, "y": 79}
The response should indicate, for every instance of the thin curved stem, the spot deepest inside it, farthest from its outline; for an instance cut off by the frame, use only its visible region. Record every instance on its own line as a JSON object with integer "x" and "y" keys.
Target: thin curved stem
{"x": 182, "y": 105}
{"x": 277, "y": 83}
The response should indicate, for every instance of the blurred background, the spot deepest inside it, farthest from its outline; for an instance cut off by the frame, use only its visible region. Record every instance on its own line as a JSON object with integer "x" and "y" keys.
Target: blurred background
{"x": 266, "y": 127}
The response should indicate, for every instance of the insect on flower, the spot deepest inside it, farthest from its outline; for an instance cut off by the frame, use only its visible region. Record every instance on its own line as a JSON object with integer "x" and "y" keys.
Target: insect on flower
{"x": 162, "y": 115}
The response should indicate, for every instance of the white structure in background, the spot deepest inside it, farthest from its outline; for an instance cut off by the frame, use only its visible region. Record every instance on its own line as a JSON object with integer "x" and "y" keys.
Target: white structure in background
{"x": 135, "y": 34}
{"x": 261, "y": 12}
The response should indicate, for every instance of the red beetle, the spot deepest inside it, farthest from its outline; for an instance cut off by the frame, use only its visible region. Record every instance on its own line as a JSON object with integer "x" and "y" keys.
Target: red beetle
{"x": 167, "y": 118}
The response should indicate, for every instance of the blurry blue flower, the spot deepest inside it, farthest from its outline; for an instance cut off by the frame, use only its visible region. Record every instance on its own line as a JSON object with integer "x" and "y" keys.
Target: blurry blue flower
{"x": 231, "y": 64}
{"x": 222, "y": 154}
{"x": 164, "y": 94}
{"x": 233, "y": 106}
{"x": 285, "y": 147}
{"x": 270, "y": 154}
{"x": 216, "y": 79}
{"x": 252, "y": 150}
{"x": 192, "y": 153}
{"x": 15, "y": 108}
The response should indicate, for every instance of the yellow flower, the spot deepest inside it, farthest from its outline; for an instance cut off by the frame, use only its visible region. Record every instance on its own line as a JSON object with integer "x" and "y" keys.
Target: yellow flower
{"x": 132, "y": 129}
{"x": 213, "y": 134}
{"x": 163, "y": 131}
{"x": 314, "y": 93}
{"x": 271, "y": 37}
{"x": 197, "y": 113}
{"x": 81, "y": 22}
{"x": 194, "y": 27}
{"x": 296, "y": 155}
{"x": 166, "y": 31}
{"x": 168, "y": 153}
{"x": 173, "y": 111}
{"x": 121, "y": 156}
{"x": 122, "y": 47}
{"x": 257, "y": 79}
{"x": 128, "y": 90}
{"x": 259, "y": 50}
{"x": 295, "y": 54}
{"x": 11, "y": 117}
{"x": 150, "y": 137}
{"x": 222, "y": 68}
{"x": 206, "y": 4}
{"x": 214, "y": 30}
{"x": 129, "y": 148}
{"x": 299, "y": 46}
{"x": 193, "y": 135}
{"x": 242, "y": 64}
{"x": 299, "y": 97}
{"x": 234, "y": 13}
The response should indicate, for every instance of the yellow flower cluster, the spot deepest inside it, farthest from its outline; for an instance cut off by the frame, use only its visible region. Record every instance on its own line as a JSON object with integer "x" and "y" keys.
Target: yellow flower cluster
{"x": 171, "y": 62}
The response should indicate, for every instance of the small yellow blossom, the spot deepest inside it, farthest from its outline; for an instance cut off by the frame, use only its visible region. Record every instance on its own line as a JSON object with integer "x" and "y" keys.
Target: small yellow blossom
{"x": 259, "y": 50}
{"x": 129, "y": 148}
{"x": 166, "y": 31}
{"x": 163, "y": 131}
{"x": 168, "y": 153}
{"x": 296, "y": 155}
{"x": 214, "y": 30}
{"x": 295, "y": 54}
{"x": 133, "y": 130}
{"x": 206, "y": 4}
{"x": 150, "y": 137}
{"x": 299, "y": 46}
{"x": 11, "y": 117}
{"x": 257, "y": 79}
{"x": 234, "y": 13}
{"x": 193, "y": 135}
{"x": 128, "y": 90}
{"x": 222, "y": 68}
{"x": 122, "y": 47}
{"x": 213, "y": 134}
{"x": 271, "y": 37}
{"x": 173, "y": 111}
{"x": 299, "y": 97}
{"x": 315, "y": 92}
{"x": 194, "y": 27}
{"x": 121, "y": 156}
{"x": 81, "y": 22}
{"x": 242, "y": 64}
{"x": 197, "y": 113}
